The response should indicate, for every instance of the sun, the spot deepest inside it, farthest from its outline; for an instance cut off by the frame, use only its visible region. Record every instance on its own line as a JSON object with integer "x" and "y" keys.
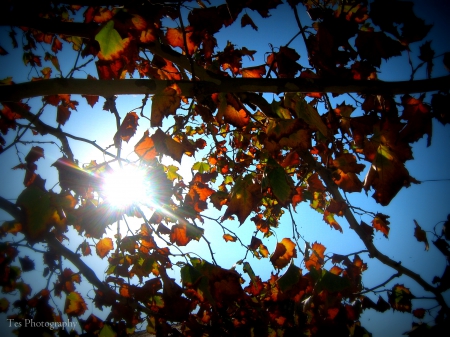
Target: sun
{"x": 126, "y": 186}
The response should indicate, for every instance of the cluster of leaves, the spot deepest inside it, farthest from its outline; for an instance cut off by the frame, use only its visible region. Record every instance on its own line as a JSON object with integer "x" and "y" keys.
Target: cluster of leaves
{"x": 261, "y": 159}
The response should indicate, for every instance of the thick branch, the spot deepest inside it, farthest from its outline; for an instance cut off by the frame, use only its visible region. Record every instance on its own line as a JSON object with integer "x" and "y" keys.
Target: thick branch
{"x": 107, "y": 88}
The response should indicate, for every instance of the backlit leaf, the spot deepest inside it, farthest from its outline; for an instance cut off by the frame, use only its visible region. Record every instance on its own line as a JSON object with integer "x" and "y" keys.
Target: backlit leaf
{"x": 400, "y": 298}
{"x": 164, "y": 104}
{"x": 145, "y": 148}
{"x": 316, "y": 256}
{"x": 228, "y": 237}
{"x": 75, "y": 304}
{"x": 284, "y": 252}
{"x": 103, "y": 247}
{"x": 111, "y": 44}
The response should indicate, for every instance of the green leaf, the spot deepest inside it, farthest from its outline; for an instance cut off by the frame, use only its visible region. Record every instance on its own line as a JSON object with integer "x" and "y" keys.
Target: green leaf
{"x": 280, "y": 183}
{"x": 280, "y": 110}
{"x": 194, "y": 232}
{"x": 290, "y": 278}
{"x": 333, "y": 283}
{"x": 248, "y": 269}
{"x": 107, "y": 331}
{"x": 171, "y": 172}
{"x": 110, "y": 41}
{"x": 201, "y": 167}
{"x": 309, "y": 114}
{"x": 39, "y": 214}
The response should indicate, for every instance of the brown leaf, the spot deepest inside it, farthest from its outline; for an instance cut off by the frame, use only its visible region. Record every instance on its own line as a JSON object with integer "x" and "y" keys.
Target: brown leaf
{"x": 164, "y": 104}
{"x": 316, "y": 256}
{"x": 247, "y": 20}
{"x": 127, "y": 128}
{"x": 380, "y": 223}
{"x": 421, "y": 235}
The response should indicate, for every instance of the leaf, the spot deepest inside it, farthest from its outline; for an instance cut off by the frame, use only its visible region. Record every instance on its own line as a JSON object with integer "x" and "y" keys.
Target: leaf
{"x": 387, "y": 175}
{"x": 111, "y": 44}
{"x": 75, "y": 304}
{"x": 329, "y": 219}
{"x": 427, "y": 55}
{"x": 145, "y": 148}
{"x": 39, "y": 213}
{"x": 307, "y": 112}
{"x": 175, "y": 37}
{"x": 316, "y": 256}
{"x": 107, "y": 331}
{"x": 166, "y": 145}
{"x": 243, "y": 198}
{"x": 26, "y": 263}
{"x": 228, "y": 237}
{"x": 419, "y": 313}
{"x": 332, "y": 282}
{"x": 280, "y": 183}
{"x": 380, "y": 223}
{"x": 127, "y": 129}
{"x": 290, "y": 278}
{"x": 103, "y": 247}
{"x": 421, "y": 235}
{"x": 284, "y": 252}
{"x": 254, "y": 72}
{"x": 4, "y": 305}
{"x": 247, "y": 20}
{"x": 164, "y": 104}
{"x": 418, "y": 116}
{"x": 400, "y": 298}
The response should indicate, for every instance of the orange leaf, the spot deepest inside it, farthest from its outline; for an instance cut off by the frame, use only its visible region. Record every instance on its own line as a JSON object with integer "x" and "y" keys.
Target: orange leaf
{"x": 75, "y": 304}
{"x": 228, "y": 237}
{"x": 283, "y": 254}
{"x": 380, "y": 223}
{"x": 254, "y": 72}
{"x": 329, "y": 219}
{"x": 175, "y": 38}
{"x": 315, "y": 259}
{"x": 179, "y": 236}
{"x": 145, "y": 148}
{"x": 164, "y": 104}
{"x": 103, "y": 247}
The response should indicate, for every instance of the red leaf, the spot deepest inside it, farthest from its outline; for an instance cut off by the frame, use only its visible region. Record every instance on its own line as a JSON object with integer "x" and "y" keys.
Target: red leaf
{"x": 283, "y": 254}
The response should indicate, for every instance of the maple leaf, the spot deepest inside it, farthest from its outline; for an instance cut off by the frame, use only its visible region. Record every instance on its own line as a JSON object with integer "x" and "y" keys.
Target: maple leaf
{"x": 75, "y": 304}
{"x": 284, "y": 252}
{"x": 421, "y": 235}
{"x": 243, "y": 198}
{"x": 387, "y": 175}
{"x": 418, "y": 116}
{"x": 380, "y": 223}
{"x": 166, "y": 145}
{"x": 103, "y": 247}
{"x": 111, "y": 44}
{"x": 280, "y": 183}
{"x": 175, "y": 37}
{"x": 145, "y": 148}
{"x": 164, "y": 104}
{"x": 400, "y": 298}
{"x": 127, "y": 129}
{"x": 316, "y": 256}
{"x": 247, "y": 20}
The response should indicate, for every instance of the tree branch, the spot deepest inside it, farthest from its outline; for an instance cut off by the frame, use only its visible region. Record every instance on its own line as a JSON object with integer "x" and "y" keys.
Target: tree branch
{"x": 108, "y": 88}
{"x": 367, "y": 240}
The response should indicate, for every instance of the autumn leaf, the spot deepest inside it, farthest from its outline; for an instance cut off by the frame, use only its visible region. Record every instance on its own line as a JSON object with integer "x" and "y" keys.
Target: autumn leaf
{"x": 421, "y": 235}
{"x": 243, "y": 198}
{"x": 175, "y": 37}
{"x": 228, "y": 237}
{"x": 316, "y": 256}
{"x": 380, "y": 223}
{"x": 284, "y": 252}
{"x": 166, "y": 145}
{"x": 164, "y": 104}
{"x": 419, "y": 313}
{"x": 145, "y": 148}
{"x": 329, "y": 219}
{"x": 127, "y": 129}
{"x": 400, "y": 298}
{"x": 103, "y": 247}
{"x": 75, "y": 304}
{"x": 254, "y": 72}
{"x": 247, "y": 20}
{"x": 280, "y": 183}
{"x": 111, "y": 44}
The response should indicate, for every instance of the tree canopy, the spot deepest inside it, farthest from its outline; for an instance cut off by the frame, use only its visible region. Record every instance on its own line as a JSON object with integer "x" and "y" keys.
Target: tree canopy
{"x": 312, "y": 124}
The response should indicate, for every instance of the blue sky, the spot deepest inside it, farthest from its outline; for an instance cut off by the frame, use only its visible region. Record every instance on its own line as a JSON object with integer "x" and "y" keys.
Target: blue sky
{"x": 427, "y": 203}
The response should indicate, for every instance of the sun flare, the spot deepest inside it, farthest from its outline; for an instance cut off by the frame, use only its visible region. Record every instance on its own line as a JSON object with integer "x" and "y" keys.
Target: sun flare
{"x": 126, "y": 186}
